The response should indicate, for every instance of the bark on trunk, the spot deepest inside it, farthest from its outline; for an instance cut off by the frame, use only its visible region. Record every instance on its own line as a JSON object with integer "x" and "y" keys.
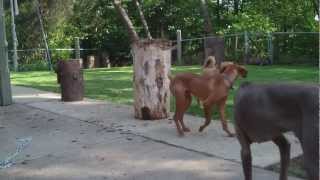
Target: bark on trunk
{"x": 70, "y": 78}
{"x": 152, "y": 63}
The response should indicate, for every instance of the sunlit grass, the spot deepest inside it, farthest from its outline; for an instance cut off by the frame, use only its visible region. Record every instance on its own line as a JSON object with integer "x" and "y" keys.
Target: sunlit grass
{"x": 115, "y": 84}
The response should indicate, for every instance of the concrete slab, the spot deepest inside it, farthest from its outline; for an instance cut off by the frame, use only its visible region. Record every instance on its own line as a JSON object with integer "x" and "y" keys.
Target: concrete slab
{"x": 23, "y": 95}
{"x": 213, "y": 141}
{"x": 99, "y": 140}
{"x": 107, "y": 155}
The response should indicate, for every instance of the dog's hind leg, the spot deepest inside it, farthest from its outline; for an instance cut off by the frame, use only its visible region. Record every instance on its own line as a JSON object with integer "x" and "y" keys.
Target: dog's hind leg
{"x": 176, "y": 121}
{"x": 310, "y": 147}
{"x": 245, "y": 154}
{"x": 222, "y": 106}
{"x": 183, "y": 101}
{"x": 183, "y": 108}
{"x": 207, "y": 112}
{"x": 284, "y": 147}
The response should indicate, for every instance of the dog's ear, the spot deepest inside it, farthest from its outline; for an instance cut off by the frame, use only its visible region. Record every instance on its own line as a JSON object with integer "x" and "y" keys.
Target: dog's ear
{"x": 222, "y": 68}
{"x": 242, "y": 71}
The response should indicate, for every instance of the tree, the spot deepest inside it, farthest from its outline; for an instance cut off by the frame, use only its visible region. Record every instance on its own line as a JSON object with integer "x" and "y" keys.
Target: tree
{"x": 143, "y": 20}
{"x": 207, "y": 19}
{"x": 152, "y": 62}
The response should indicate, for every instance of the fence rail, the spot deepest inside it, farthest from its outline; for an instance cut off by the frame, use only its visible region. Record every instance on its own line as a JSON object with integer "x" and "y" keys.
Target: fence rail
{"x": 257, "y": 48}
{"x": 245, "y": 47}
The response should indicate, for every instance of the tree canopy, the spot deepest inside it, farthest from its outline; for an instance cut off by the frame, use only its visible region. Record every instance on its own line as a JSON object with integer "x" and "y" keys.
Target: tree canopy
{"x": 98, "y": 25}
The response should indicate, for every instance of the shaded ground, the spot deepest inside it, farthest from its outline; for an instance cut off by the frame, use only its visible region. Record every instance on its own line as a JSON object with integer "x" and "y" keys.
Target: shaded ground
{"x": 295, "y": 169}
{"x": 99, "y": 140}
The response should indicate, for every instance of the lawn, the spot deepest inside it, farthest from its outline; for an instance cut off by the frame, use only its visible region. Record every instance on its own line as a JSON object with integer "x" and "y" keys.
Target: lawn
{"x": 115, "y": 84}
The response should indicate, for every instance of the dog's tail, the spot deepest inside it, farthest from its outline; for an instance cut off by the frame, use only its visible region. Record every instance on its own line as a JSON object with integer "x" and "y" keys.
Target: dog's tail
{"x": 171, "y": 77}
{"x": 210, "y": 62}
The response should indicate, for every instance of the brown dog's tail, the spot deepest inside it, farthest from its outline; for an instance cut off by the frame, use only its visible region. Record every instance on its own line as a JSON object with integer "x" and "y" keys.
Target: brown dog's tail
{"x": 171, "y": 78}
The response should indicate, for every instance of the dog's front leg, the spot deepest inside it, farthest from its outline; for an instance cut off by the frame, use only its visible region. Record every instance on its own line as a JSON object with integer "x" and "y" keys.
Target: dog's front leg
{"x": 177, "y": 122}
{"x": 245, "y": 154}
{"x": 222, "y": 106}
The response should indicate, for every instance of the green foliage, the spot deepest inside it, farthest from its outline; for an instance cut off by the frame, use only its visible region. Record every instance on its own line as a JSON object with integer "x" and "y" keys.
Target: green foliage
{"x": 99, "y": 26}
{"x": 251, "y": 23}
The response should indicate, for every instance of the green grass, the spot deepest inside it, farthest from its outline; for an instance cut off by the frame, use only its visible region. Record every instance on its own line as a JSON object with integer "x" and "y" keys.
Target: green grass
{"x": 115, "y": 84}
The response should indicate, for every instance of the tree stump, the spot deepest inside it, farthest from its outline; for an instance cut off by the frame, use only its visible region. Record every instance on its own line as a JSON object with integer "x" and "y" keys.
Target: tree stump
{"x": 70, "y": 78}
{"x": 152, "y": 63}
{"x": 90, "y": 62}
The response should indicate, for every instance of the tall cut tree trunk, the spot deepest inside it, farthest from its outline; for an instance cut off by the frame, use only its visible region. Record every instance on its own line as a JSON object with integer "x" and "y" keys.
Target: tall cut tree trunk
{"x": 143, "y": 20}
{"x": 152, "y": 62}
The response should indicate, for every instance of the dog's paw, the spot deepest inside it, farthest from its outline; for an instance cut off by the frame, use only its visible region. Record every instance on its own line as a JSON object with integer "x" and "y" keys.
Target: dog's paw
{"x": 181, "y": 134}
{"x": 231, "y": 134}
{"x": 186, "y": 129}
{"x": 201, "y": 129}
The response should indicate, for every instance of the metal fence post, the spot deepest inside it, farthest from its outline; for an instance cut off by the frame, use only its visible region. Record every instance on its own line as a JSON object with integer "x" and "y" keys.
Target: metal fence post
{"x": 5, "y": 86}
{"x": 77, "y": 48}
{"x": 236, "y": 48}
{"x": 246, "y": 47}
{"x": 179, "y": 47}
{"x": 270, "y": 48}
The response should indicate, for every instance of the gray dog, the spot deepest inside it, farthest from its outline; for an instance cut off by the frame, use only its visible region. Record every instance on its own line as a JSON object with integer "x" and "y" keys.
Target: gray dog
{"x": 264, "y": 112}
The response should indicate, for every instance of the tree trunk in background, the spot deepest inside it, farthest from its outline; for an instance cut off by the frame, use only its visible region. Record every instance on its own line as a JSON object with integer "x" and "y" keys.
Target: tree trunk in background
{"x": 126, "y": 20}
{"x": 218, "y": 12}
{"x": 143, "y": 20}
{"x": 236, "y": 6}
{"x": 316, "y": 6}
{"x": 152, "y": 63}
{"x": 213, "y": 46}
{"x": 206, "y": 16}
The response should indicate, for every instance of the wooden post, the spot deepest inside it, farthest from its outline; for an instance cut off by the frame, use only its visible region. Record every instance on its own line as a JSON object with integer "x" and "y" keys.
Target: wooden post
{"x": 14, "y": 6}
{"x": 179, "y": 47}
{"x": 5, "y": 86}
{"x": 270, "y": 48}
{"x": 246, "y": 47}
{"x": 77, "y": 48}
{"x": 236, "y": 48}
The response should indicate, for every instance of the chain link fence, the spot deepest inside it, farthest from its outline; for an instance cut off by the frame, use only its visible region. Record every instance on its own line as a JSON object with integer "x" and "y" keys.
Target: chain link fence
{"x": 245, "y": 48}
{"x": 258, "y": 48}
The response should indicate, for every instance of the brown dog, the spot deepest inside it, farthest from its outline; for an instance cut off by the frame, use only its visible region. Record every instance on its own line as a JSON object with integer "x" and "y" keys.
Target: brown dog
{"x": 211, "y": 89}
